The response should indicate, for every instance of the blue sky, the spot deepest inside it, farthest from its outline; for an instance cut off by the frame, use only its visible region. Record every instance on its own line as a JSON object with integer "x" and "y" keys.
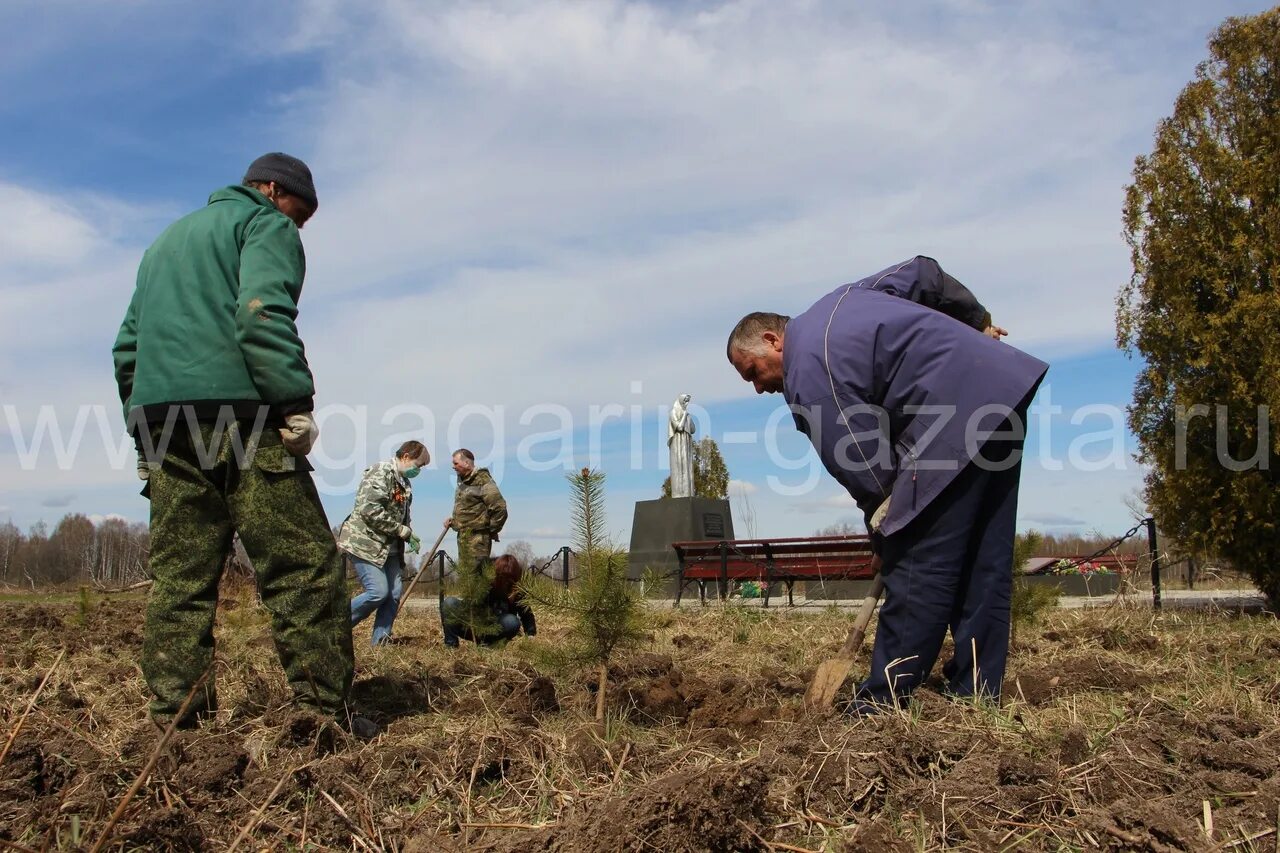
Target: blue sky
{"x": 568, "y": 204}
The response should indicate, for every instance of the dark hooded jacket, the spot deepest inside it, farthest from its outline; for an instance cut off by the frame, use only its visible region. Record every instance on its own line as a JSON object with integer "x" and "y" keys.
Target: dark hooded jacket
{"x": 922, "y": 280}
{"x": 897, "y": 397}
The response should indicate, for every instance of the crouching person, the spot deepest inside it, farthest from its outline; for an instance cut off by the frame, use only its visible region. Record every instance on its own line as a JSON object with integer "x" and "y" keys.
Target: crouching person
{"x": 377, "y": 532}
{"x": 497, "y": 617}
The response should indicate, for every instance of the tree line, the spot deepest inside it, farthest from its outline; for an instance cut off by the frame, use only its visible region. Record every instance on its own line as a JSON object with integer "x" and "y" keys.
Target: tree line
{"x": 1047, "y": 544}
{"x": 111, "y": 553}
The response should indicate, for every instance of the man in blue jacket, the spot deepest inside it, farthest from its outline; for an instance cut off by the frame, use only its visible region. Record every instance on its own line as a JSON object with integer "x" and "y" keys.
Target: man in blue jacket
{"x": 921, "y": 418}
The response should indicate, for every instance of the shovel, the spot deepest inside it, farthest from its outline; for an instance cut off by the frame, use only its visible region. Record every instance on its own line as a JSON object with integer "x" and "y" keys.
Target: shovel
{"x": 426, "y": 560}
{"x": 833, "y": 671}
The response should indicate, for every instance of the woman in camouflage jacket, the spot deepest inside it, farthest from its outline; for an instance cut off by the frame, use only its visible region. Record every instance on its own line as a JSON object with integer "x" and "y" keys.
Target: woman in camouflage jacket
{"x": 376, "y": 533}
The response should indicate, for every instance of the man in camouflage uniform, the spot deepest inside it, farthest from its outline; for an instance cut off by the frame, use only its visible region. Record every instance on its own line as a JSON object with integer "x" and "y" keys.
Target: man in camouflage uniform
{"x": 479, "y": 510}
{"x": 218, "y": 395}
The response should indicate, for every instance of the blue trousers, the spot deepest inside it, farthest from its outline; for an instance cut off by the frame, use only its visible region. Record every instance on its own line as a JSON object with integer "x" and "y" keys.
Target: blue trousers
{"x": 381, "y": 595}
{"x": 951, "y": 568}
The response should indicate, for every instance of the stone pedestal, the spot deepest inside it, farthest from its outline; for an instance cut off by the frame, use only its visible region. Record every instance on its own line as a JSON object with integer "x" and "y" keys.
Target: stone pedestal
{"x": 657, "y": 524}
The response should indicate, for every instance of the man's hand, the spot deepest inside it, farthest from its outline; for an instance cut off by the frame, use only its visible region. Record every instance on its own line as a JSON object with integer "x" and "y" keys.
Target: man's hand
{"x": 448, "y": 522}
{"x": 144, "y": 470}
{"x": 995, "y": 332}
{"x": 299, "y": 433}
{"x": 414, "y": 543}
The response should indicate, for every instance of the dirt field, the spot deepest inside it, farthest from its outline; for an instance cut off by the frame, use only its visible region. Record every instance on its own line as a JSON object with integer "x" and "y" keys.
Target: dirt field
{"x": 1121, "y": 730}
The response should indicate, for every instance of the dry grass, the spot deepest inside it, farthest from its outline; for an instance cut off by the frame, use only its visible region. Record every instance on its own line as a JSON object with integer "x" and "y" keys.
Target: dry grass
{"x": 1121, "y": 729}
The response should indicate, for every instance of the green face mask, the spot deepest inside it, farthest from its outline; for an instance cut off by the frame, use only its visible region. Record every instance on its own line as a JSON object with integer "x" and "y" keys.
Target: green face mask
{"x": 410, "y": 473}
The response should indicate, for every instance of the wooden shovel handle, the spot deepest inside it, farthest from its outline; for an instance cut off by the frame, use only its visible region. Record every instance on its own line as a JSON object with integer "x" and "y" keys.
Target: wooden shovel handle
{"x": 426, "y": 560}
{"x": 859, "y": 630}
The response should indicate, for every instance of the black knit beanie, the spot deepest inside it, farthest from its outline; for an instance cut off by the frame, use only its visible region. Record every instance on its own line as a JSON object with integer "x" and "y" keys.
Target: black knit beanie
{"x": 290, "y": 173}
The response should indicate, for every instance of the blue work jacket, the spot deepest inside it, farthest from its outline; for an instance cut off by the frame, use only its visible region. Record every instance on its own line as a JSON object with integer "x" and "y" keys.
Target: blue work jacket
{"x": 896, "y": 397}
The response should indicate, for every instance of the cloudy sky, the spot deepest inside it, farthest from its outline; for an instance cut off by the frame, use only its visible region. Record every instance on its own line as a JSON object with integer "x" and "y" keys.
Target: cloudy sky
{"x": 539, "y": 220}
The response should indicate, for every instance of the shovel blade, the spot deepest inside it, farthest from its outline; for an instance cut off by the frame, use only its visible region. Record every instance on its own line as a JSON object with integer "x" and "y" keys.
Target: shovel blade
{"x": 827, "y": 681}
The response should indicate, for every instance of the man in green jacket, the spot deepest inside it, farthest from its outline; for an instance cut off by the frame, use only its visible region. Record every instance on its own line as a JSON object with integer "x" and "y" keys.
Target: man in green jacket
{"x": 218, "y": 395}
{"x": 479, "y": 510}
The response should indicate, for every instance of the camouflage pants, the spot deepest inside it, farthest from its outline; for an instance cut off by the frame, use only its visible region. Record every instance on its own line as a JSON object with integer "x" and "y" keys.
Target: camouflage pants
{"x": 474, "y": 546}
{"x": 200, "y": 494}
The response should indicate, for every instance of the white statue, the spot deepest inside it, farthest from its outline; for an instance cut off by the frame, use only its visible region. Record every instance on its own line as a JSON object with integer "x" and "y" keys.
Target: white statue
{"x": 680, "y": 429}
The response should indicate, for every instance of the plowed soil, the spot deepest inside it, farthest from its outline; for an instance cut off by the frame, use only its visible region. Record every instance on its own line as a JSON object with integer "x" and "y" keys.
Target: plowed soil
{"x": 1119, "y": 730}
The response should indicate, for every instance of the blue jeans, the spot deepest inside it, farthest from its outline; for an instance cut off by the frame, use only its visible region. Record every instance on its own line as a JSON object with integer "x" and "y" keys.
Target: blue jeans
{"x": 381, "y": 594}
{"x": 453, "y": 614}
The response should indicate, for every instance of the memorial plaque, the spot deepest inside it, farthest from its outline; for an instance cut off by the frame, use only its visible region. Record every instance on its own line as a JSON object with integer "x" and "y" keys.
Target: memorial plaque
{"x": 713, "y": 525}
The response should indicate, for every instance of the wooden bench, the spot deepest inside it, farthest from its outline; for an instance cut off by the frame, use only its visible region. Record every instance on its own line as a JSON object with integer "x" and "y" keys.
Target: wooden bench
{"x": 770, "y": 561}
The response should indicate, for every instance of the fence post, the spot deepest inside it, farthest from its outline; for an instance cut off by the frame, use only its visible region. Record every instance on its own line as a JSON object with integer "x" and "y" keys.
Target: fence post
{"x": 1155, "y": 562}
{"x": 564, "y": 565}
{"x": 724, "y": 571}
{"x": 440, "y": 592}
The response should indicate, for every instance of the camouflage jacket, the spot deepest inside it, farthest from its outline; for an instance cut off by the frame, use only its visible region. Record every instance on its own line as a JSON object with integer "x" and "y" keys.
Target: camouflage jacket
{"x": 380, "y": 520}
{"x": 478, "y": 505}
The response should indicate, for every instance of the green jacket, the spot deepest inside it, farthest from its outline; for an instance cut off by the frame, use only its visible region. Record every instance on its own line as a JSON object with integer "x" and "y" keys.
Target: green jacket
{"x": 212, "y": 317}
{"x": 380, "y": 520}
{"x": 478, "y": 506}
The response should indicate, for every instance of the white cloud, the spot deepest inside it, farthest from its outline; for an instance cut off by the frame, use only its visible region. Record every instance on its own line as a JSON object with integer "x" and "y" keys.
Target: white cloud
{"x": 531, "y": 203}
{"x": 1053, "y": 519}
{"x": 67, "y": 269}
{"x": 39, "y": 231}
{"x": 815, "y": 505}
{"x": 738, "y": 488}
{"x": 598, "y": 190}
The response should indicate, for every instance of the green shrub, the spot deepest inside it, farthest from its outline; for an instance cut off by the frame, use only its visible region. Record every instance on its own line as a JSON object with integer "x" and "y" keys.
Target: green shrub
{"x": 1029, "y": 601}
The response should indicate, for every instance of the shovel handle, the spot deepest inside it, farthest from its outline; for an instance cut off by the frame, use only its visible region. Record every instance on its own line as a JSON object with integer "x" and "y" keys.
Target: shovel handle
{"x": 859, "y": 630}
{"x": 426, "y": 558}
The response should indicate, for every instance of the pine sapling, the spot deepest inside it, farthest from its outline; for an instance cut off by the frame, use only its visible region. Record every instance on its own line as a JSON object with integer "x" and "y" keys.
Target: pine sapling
{"x": 606, "y": 610}
{"x": 474, "y": 580}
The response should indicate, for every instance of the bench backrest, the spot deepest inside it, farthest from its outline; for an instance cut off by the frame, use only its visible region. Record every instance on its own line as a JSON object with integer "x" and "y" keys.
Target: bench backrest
{"x": 810, "y": 557}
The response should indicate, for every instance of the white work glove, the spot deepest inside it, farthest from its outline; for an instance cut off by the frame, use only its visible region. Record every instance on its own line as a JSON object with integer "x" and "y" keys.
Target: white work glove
{"x": 299, "y": 433}
{"x": 144, "y": 469}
